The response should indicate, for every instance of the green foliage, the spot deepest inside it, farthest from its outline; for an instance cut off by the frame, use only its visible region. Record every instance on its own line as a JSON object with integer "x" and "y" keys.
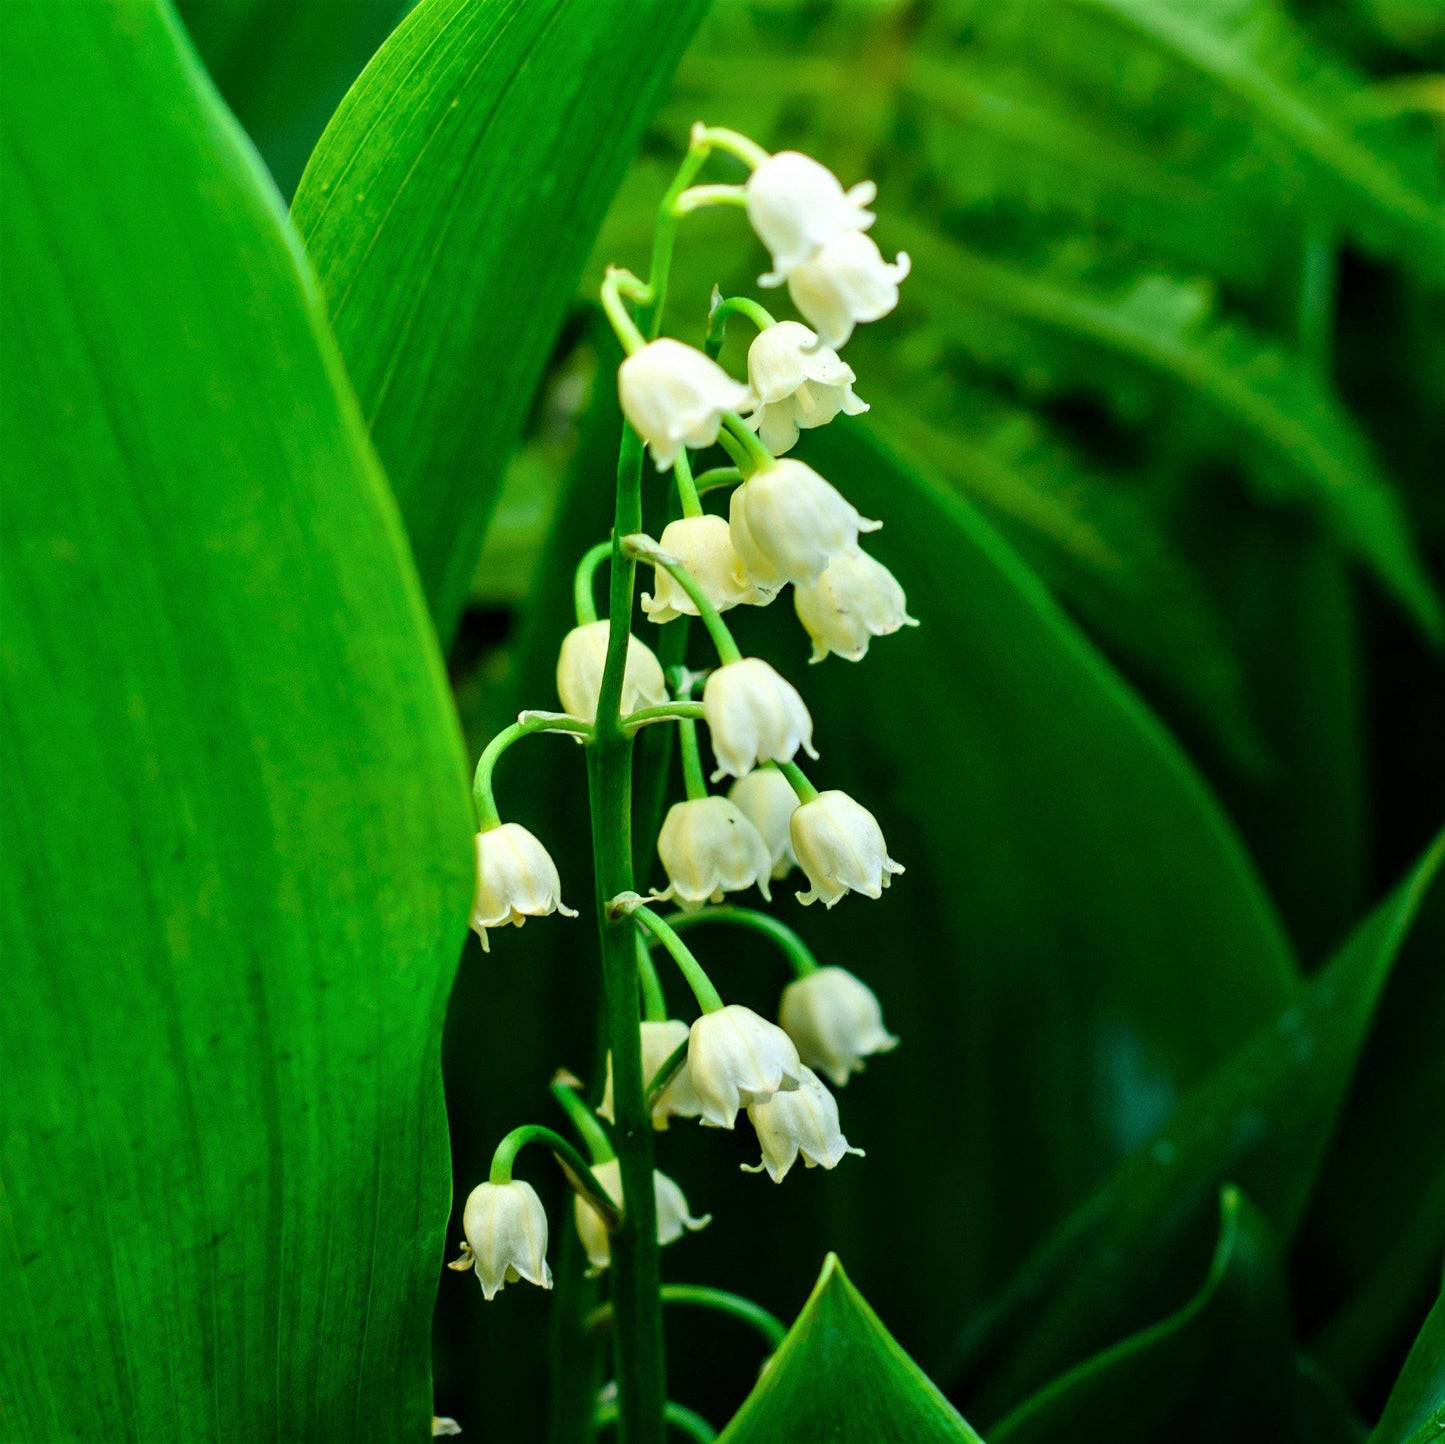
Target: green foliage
{"x": 237, "y": 862}
{"x": 448, "y": 209}
{"x": 837, "y": 1339}
{"x": 1416, "y": 1408}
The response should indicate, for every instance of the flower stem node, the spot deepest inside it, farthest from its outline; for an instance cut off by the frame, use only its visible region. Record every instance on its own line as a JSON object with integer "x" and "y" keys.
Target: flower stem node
{"x": 797, "y": 206}
{"x": 703, "y": 544}
{"x": 854, "y": 600}
{"x": 788, "y": 523}
{"x": 709, "y": 848}
{"x": 674, "y": 396}
{"x": 754, "y": 715}
{"x": 840, "y": 848}
{"x": 506, "y": 1231}
{"x": 766, "y": 798}
{"x": 802, "y": 1122}
{"x": 673, "y": 1218}
{"x": 736, "y": 1059}
{"x": 516, "y": 880}
{"x": 582, "y": 661}
{"x": 798, "y": 383}
{"x": 847, "y": 282}
{"x": 836, "y": 1021}
{"x": 679, "y": 1099}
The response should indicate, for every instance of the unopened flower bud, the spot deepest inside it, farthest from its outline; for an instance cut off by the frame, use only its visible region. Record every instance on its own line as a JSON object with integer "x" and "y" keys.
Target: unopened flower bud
{"x": 797, "y": 382}
{"x": 754, "y": 715}
{"x": 708, "y": 848}
{"x": 841, "y": 849}
{"x": 506, "y": 1231}
{"x": 659, "y": 1042}
{"x": 804, "y": 1121}
{"x": 836, "y": 1021}
{"x": 797, "y": 205}
{"x": 854, "y": 600}
{"x": 788, "y": 523}
{"x": 848, "y": 281}
{"x": 735, "y": 1058}
{"x": 766, "y": 798}
{"x": 674, "y": 396}
{"x": 582, "y": 661}
{"x": 516, "y": 880}
{"x": 704, "y": 545}
{"x": 673, "y": 1217}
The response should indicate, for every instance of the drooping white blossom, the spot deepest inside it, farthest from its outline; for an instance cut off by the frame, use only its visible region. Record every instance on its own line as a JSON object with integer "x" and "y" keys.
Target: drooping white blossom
{"x": 804, "y": 1122}
{"x": 796, "y": 382}
{"x": 674, "y": 396}
{"x": 847, "y": 282}
{"x": 506, "y": 1232}
{"x": 673, "y": 1217}
{"x": 853, "y": 600}
{"x": 709, "y": 848}
{"x": 754, "y": 715}
{"x": 766, "y": 798}
{"x": 679, "y": 1099}
{"x": 788, "y": 523}
{"x": 703, "y": 544}
{"x": 516, "y": 880}
{"x": 840, "y": 847}
{"x": 582, "y": 661}
{"x": 797, "y": 205}
{"x": 836, "y": 1021}
{"x": 735, "y": 1058}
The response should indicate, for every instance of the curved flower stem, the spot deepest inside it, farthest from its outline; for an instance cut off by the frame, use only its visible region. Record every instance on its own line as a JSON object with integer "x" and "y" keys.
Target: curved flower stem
{"x": 668, "y": 712}
{"x": 584, "y": 597}
{"x": 664, "y": 1075}
{"x": 716, "y": 477}
{"x": 684, "y": 1420}
{"x": 758, "y": 455}
{"x": 697, "y": 198}
{"x": 693, "y": 777}
{"x": 799, "y": 955}
{"x": 708, "y": 997}
{"x": 732, "y": 143}
{"x": 529, "y": 722}
{"x": 579, "y": 1173}
{"x": 717, "y": 320}
{"x": 654, "y": 1003}
{"x": 717, "y": 629}
{"x": 768, "y": 1324}
{"x": 588, "y": 1125}
{"x": 615, "y": 285}
{"x": 686, "y": 490}
{"x": 799, "y": 780}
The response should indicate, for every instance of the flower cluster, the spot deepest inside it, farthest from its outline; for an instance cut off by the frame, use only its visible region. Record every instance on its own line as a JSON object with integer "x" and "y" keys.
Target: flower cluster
{"x": 785, "y": 525}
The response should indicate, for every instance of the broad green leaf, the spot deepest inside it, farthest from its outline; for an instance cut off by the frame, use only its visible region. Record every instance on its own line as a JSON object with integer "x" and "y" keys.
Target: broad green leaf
{"x": 1219, "y": 1367}
{"x": 283, "y": 65}
{"x": 448, "y": 210}
{"x": 237, "y": 862}
{"x": 1263, "y": 1119}
{"x": 1415, "y": 1413}
{"x": 841, "y": 1377}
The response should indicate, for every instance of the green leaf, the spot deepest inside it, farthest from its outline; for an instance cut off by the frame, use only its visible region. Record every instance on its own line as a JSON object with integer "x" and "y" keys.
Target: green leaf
{"x": 448, "y": 210}
{"x": 1415, "y": 1413}
{"x": 1263, "y": 1119}
{"x": 840, "y": 1376}
{"x": 1220, "y": 1367}
{"x": 237, "y": 862}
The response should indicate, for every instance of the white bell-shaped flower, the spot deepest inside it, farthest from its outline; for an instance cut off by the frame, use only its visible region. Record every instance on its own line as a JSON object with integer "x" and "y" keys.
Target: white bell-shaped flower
{"x": 854, "y": 600}
{"x": 674, "y": 396}
{"x": 840, "y": 847}
{"x": 797, "y": 382}
{"x": 679, "y": 1099}
{"x": 766, "y": 798}
{"x": 788, "y": 523}
{"x": 704, "y": 545}
{"x": 709, "y": 848}
{"x": 848, "y": 281}
{"x": 804, "y": 1121}
{"x": 673, "y": 1218}
{"x": 754, "y": 715}
{"x": 506, "y": 1231}
{"x": 735, "y": 1058}
{"x": 836, "y": 1021}
{"x": 796, "y": 206}
{"x": 583, "y": 659}
{"x": 516, "y": 880}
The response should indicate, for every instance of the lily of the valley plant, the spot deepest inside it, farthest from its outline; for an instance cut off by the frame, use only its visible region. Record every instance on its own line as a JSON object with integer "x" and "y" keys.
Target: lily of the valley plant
{"x": 784, "y": 525}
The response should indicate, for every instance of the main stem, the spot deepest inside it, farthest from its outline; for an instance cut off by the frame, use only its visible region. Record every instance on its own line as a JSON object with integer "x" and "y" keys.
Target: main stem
{"x": 636, "y": 1270}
